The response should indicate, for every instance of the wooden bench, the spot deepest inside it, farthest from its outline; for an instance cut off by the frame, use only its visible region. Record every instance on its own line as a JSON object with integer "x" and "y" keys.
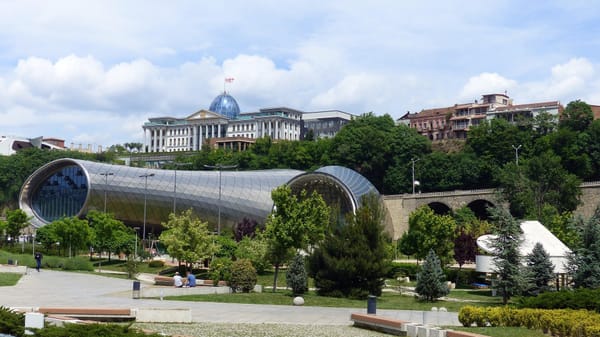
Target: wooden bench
{"x": 103, "y": 314}
{"x": 379, "y": 323}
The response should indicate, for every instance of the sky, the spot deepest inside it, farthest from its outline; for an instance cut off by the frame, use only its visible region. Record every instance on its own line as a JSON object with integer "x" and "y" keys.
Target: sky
{"x": 92, "y": 72}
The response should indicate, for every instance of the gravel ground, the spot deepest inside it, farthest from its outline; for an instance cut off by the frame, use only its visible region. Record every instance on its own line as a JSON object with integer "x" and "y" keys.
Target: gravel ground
{"x": 258, "y": 330}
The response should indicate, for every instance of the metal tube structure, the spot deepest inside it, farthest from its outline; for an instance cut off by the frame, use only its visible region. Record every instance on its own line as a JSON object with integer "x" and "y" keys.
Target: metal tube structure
{"x": 105, "y": 174}
{"x": 145, "y": 176}
{"x": 220, "y": 168}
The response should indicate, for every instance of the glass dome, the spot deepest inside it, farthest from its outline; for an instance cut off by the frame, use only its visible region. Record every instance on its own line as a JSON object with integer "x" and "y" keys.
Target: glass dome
{"x": 225, "y": 105}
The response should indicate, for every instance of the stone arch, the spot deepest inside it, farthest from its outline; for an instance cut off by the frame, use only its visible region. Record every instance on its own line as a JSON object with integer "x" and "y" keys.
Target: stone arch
{"x": 479, "y": 207}
{"x": 439, "y": 208}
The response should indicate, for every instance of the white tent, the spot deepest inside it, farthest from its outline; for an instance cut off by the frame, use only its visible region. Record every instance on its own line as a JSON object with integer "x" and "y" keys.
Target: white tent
{"x": 533, "y": 232}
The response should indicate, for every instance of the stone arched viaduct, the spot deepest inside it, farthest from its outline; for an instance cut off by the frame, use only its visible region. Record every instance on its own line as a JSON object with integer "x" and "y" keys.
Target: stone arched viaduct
{"x": 400, "y": 206}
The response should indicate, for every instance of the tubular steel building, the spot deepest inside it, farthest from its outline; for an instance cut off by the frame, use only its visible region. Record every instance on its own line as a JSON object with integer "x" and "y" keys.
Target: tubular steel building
{"x": 137, "y": 196}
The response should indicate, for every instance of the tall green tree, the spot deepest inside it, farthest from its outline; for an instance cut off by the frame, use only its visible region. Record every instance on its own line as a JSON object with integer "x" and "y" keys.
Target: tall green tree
{"x": 16, "y": 221}
{"x": 584, "y": 265}
{"x": 110, "y": 234}
{"x": 187, "y": 238}
{"x": 72, "y": 234}
{"x": 507, "y": 256}
{"x": 354, "y": 258}
{"x": 297, "y": 222}
{"x": 540, "y": 270}
{"x": 427, "y": 231}
{"x": 431, "y": 280}
{"x": 577, "y": 116}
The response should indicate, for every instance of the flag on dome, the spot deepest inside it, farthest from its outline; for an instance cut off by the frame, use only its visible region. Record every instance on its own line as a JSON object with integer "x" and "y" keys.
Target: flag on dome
{"x": 229, "y": 79}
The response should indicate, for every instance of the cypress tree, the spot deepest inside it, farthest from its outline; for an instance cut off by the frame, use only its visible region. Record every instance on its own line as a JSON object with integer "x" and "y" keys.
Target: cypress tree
{"x": 431, "y": 281}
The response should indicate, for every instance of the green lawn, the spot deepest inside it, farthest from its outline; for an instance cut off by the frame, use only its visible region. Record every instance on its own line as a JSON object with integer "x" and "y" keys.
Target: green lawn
{"x": 9, "y": 279}
{"x": 283, "y": 297}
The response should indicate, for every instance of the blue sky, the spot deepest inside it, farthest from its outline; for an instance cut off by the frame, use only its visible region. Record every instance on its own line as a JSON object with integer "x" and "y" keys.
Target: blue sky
{"x": 91, "y": 72}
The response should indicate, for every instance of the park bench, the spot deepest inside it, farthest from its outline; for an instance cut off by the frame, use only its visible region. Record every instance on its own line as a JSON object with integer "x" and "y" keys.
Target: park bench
{"x": 93, "y": 314}
{"x": 160, "y": 280}
{"x": 379, "y": 323}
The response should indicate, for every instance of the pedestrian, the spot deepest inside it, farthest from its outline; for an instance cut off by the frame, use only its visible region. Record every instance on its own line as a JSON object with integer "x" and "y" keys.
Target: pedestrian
{"x": 191, "y": 279}
{"x": 38, "y": 260}
{"x": 177, "y": 280}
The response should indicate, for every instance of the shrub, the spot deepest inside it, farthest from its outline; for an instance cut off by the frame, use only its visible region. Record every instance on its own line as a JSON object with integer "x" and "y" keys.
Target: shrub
{"x": 243, "y": 276}
{"x": 220, "y": 269}
{"x": 296, "y": 276}
{"x": 254, "y": 249}
{"x": 91, "y": 330}
{"x": 156, "y": 264}
{"x": 77, "y": 263}
{"x": 580, "y": 298}
{"x": 11, "y": 322}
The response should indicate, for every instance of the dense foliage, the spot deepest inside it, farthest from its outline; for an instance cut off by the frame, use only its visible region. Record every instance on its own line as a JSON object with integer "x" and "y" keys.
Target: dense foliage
{"x": 354, "y": 259}
{"x": 243, "y": 276}
{"x": 11, "y": 322}
{"x": 585, "y": 261}
{"x": 580, "y": 298}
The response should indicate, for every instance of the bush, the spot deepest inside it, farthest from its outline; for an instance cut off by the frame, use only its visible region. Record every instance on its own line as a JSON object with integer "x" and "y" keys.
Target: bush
{"x": 462, "y": 276}
{"x": 156, "y": 264}
{"x": 403, "y": 269}
{"x": 220, "y": 269}
{"x": 77, "y": 263}
{"x": 580, "y": 298}
{"x": 296, "y": 276}
{"x": 243, "y": 276}
{"x": 91, "y": 330}
{"x": 12, "y": 323}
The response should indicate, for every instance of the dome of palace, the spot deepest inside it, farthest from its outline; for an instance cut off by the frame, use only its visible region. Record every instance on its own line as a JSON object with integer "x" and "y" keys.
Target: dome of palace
{"x": 225, "y": 105}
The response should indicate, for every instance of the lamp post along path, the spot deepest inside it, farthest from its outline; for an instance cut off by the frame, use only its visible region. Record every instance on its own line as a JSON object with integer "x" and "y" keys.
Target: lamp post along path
{"x": 106, "y": 174}
{"x": 414, "y": 160}
{"x": 220, "y": 168}
{"x": 145, "y": 176}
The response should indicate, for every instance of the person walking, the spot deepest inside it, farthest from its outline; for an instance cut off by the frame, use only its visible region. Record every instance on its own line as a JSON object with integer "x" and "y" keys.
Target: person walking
{"x": 38, "y": 260}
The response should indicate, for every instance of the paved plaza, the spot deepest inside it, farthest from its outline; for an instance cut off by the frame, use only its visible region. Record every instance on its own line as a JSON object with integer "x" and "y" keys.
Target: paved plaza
{"x": 50, "y": 288}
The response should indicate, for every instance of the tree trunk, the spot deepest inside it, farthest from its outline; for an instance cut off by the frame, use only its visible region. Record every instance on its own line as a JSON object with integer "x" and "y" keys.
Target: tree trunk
{"x": 275, "y": 277}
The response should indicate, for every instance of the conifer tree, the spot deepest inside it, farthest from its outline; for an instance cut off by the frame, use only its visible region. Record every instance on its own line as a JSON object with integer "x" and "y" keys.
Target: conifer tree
{"x": 431, "y": 281}
{"x": 585, "y": 260}
{"x": 507, "y": 258}
{"x": 296, "y": 277}
{"x": 540, "y": 270}
{"x": 353, "y": 260}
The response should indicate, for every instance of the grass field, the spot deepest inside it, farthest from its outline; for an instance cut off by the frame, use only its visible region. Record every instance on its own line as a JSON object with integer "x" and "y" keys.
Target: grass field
{"x": 9, "y": 279}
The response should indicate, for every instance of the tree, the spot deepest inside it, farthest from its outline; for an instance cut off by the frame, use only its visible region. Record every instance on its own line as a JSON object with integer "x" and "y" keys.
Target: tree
{"x": 577, "y": 116}
{"x": 71, "y": 233}
{"x": 431, "y": 281}
{"x": 426, "y": 231}
{"x": 539, "y": 269}
{"x": 110, "y": 234}
{"x": 507, "y": 259}
{"x": 244, "y": 228}
{"x": 296, "y": 222}
{"x": 584, "y": 265}
{"x": 255, "y": 250}
{"x": 187, "y": 238}
{"x": 296, "y": 276}
{"x": 16, "y": 221}
{"x": 354, "y": 258}
{"x": 465, "y": 249}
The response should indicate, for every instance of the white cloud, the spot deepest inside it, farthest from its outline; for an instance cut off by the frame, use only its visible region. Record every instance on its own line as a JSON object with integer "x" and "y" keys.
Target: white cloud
{"x": 486, "y": 83}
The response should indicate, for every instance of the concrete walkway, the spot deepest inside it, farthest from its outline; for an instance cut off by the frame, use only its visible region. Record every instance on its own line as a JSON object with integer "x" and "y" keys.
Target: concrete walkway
{"x": 67, "y": 289}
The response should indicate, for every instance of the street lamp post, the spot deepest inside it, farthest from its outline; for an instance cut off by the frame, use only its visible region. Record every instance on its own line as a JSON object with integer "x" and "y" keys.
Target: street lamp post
{"x": 414, "y": 160}
{"x": 105, "y": 174}
{"x": 145, "y": 176}
{"x": 516, "y": 153}
{"x": 135, "y": 248}
{"x": 220, "y": 168}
